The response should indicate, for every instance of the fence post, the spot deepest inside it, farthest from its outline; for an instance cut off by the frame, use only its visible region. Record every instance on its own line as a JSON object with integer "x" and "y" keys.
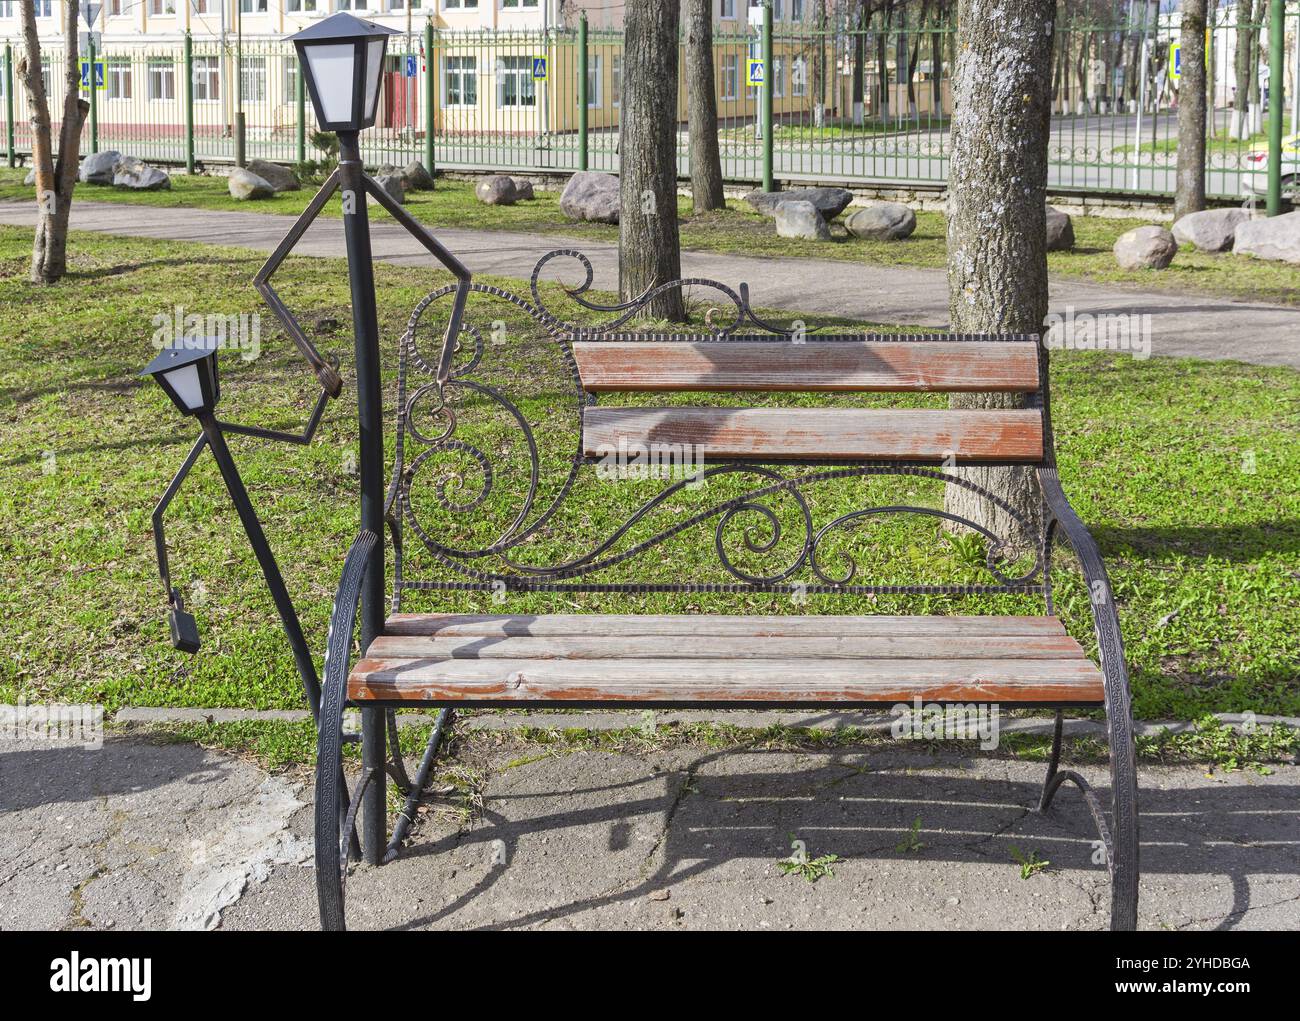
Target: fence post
{"x": 583, "y": 98}
{"x": 430, "y": 66}
{"x": 189, "y": 103}
{"x": 9, "y": 103}
{"x": 766, "y": 96}
{"x": 94, "y": 88}
{"x": 300, "y": 98}
{"x": 1276, "y": 90}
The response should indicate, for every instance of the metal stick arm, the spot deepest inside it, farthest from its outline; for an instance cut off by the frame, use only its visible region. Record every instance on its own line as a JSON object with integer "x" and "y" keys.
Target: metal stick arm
{"x": 458, "y": 269}
{"x": 302, "y": 439}
{"x": 159, "y": 539}
{"x": 327, "y": 373}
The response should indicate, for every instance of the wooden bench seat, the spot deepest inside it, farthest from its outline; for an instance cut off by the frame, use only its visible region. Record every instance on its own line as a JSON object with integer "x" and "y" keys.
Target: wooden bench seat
{"x": 707, "y": 659}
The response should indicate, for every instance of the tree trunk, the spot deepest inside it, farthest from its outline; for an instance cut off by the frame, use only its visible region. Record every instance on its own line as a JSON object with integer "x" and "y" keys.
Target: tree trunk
{"x": 1189, "y": 195}
{"x": 859, "y": 43}
{"x": 702, "y": 108}
{"x": 997, "y": 185}
{"x": 1241, "y": 97}
{"x": 648, "y": 247}
{"x": 55, "y": 179}
{"x": 819, "y": 63}
{"x": 1254, "y": 108}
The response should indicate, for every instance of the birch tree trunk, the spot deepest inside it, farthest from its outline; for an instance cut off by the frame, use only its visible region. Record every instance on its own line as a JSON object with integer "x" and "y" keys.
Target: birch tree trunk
{"x": 997, "y": 183}
{"x": 1241, "y": 97}
{"x": 702, "y": 108}
{"x": 55, "y": 179}
{"x": 1189, "y": 193}
{"x": 649, "y": 250}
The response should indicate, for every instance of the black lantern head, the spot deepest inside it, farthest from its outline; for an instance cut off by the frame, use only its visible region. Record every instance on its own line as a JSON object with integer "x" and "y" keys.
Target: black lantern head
{"x": 187, "y": 370}
{"x": 342, "y": 58}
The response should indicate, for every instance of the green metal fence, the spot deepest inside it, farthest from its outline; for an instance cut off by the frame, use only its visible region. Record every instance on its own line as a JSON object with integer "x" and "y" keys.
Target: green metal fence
{"x": 857, "y": 97}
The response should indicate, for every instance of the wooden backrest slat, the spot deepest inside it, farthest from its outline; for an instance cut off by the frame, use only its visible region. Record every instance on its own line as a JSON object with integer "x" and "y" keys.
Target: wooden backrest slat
{"x": 818, "y": 365}
{"x": 832, "y": 434}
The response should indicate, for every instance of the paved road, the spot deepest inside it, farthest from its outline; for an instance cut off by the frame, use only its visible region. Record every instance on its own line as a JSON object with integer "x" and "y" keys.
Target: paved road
{"x": 139, "y": 835}
{"x": 1180, "y": 324}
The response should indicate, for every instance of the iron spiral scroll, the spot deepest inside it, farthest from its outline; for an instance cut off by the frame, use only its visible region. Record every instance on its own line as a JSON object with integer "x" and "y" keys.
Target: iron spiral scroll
{"x": 743, "y": 523}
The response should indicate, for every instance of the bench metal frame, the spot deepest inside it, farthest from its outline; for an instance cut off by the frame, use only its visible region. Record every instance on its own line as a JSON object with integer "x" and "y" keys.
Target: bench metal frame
{"x": 491, "y": 568}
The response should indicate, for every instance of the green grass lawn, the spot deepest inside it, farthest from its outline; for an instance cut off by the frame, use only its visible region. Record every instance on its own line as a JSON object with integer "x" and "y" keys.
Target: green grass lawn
{"x": 738, "y": 230}
{"x": 1184, "y": 470}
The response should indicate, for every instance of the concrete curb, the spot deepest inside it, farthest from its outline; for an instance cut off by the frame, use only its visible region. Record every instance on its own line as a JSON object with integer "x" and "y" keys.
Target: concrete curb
{"x": 748, "y": 719}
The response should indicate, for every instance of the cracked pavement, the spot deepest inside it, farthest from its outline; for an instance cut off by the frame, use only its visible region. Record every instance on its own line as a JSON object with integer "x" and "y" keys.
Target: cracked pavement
{"x": 147, "y": 835}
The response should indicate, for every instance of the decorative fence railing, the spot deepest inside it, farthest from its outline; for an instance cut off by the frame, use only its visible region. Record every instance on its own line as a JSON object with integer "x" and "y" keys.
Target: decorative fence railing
{"x": 855, "y": 98}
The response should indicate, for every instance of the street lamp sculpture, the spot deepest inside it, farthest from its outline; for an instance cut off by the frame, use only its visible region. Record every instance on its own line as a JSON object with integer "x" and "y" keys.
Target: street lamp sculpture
{"x": 186, "y": 369}
{"x": 342, "y": 60}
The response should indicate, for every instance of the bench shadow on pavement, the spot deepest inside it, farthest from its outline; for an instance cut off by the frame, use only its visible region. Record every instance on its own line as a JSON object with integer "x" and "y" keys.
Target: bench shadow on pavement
{"x": 1231, "y": 831}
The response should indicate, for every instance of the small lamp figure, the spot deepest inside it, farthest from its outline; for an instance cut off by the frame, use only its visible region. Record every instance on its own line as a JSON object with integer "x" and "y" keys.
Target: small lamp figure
{"x": 186, "y": 370}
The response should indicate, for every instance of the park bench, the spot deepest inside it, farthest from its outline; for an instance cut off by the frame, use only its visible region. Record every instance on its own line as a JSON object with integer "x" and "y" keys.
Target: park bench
{"x": 475, "y": 524}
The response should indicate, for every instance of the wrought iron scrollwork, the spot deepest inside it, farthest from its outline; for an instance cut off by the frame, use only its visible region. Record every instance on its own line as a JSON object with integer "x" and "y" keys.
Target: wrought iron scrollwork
{"x": 464, "y": 474}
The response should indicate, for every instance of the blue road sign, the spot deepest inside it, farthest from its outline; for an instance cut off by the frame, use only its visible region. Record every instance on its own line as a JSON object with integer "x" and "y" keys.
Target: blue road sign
{"x": 539, "y": 69}
{"x": 412, "y": 66}
{"x": 85, "y": 74}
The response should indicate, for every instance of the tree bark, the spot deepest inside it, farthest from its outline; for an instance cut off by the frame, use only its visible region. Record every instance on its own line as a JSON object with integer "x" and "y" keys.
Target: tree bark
{"x": 997, "y": 185}
{"x": 702, "y": 108}
{"x": 1241, "y": 97}
{"x": 55, "y": 178}
{"x": 649, "y": 251}
{"x": 1189, "y": 193}
{"x": 818, "y": 85}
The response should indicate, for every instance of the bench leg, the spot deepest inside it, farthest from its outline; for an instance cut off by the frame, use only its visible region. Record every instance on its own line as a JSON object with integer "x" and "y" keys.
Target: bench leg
{"x": 1120, "y": 844}
{"x": 374, "y": 753}
{"x": 413, "y": 789}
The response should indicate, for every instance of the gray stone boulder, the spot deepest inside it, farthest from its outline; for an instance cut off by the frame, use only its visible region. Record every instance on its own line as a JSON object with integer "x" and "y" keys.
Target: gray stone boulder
{"x": 1272, "y": 237}
{"x": 137, "y": 175}
{"x": 1149, "y": 247}
{"x": 882, "y": 221}
{"x": 497, "y": 190}
{"x": 523, "y": 189}
{"x": 1060, "y": 231}
{"x": 278, "y": 177}
{"x": 801, "y": 220}
{"x": 416, "y": 177}
{"x": 245, "y": 185}
{"x": 591, "y": 195}
{"x": 830, "y": 202}
{"x": 1210, "y": 230}
{"x": 97, "y": 168}
{"x": 392, "y": 184}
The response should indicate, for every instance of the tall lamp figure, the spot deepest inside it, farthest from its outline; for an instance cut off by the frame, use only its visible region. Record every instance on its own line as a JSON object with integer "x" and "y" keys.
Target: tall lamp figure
{"x": 341, "y": 59}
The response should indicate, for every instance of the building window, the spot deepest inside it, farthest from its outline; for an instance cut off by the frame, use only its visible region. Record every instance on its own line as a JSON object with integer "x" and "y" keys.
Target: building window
{"x": 515, "y": 82}
{"x": 594, "y": 78}
{"x": 351, "y": 5}
{"x": 207, "y": 78}
{"x": 118, "y": 79}
{"x": 115, "y": 7}
{"x": 511, "y": 5}
{"x": 162, "y": 78}
{"x": 160, "y": 7}
{"x": 252, "y": 6}
{"x": 727, "y": 10}
{"x": 400, "y": 5}
{"x": 796, "y": 10}
{"x": 778, "y": 77}
{"x": 6, "y": 8}
{"x": 730, "y": 76}
{"x": 44, "y": 8}
{"x": 799, "y": 77}
{"x": 460, "y": 81}
{"x": 616, "y": 80}
{"x": 453, "y": 5}
{"x": 290, "y": 80}
{"x": 299, "y": 6}
{"x": 252, "y": 80}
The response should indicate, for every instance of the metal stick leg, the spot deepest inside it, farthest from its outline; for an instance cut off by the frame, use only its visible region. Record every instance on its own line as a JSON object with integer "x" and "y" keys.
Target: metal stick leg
{"x": 407, "y": 817}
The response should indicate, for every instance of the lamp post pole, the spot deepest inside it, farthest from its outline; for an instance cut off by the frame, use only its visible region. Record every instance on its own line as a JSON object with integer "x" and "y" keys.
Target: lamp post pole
{"x": 370, "y": 463}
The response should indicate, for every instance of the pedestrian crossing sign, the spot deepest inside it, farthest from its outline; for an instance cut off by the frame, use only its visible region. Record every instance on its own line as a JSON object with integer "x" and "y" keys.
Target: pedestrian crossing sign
{"x": 539, "y": 69}
{"x": 754, "y": 72}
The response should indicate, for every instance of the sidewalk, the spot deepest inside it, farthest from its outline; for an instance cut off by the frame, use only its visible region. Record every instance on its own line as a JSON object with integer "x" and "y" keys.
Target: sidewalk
{"x": 1181, "y": 325}
{"x": 143, "y": 835}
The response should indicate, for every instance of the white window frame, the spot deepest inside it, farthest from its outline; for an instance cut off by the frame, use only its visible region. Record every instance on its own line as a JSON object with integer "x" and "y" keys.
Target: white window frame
{"x": 519, "y": 5}
{"x": 799, "y": 81}
{"x": 616, "y": 80}
{"x": 730, "y": 70}
{"x": 460, "y": 5}
{"x": 300, "y": 6}
{"x": 594, "y": 81}
{"x": 116, "y": 71}
{"x": 209, "y": 76}
{"x": 252, "y": 73}
{"x": 727, "y": 10}
{"x": 523, "y": 72}
{"x": 778, "y": 77}
{"x": 165, "y": 70}
{"x": 162, "y": 8}
{"x": 464, "y": 75}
